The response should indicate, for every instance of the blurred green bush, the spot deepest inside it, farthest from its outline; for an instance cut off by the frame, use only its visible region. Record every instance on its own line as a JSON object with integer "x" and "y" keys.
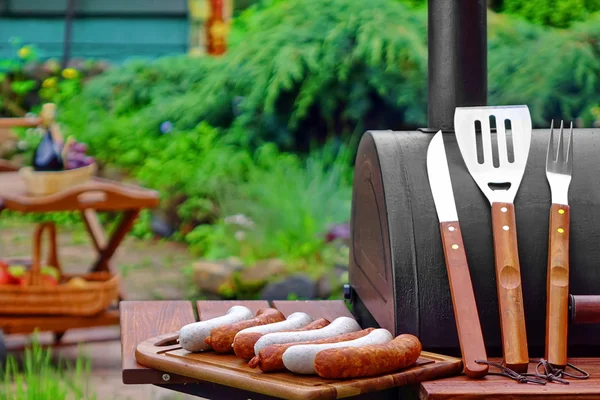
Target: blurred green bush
{"x": 26, "y": 80}
{"x": 557, "y": 13}
{"x": 299, "y": 72}
{"x": 555, "y": 72}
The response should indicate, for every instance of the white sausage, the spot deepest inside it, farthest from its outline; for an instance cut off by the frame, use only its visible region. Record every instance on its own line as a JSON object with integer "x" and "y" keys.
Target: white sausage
{"x": 300, "y": 359}
{"x": 293, "y": 321}
{"x": 191, "y": 336}
{"x": 338, "y": 326}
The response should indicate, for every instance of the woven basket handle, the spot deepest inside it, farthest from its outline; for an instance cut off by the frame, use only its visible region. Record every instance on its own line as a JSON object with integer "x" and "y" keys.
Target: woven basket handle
{"x": 35, "y": 275}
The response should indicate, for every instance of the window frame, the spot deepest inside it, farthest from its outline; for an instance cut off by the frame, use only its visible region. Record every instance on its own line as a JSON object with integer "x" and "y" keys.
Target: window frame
{"x": 57, "y": 8}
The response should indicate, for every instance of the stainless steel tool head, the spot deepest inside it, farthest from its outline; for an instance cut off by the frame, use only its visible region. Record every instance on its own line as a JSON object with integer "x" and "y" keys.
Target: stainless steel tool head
{"x": 439, "y": 180}
{"x": 498, "y": 165}
{"x": 559, "y": 166}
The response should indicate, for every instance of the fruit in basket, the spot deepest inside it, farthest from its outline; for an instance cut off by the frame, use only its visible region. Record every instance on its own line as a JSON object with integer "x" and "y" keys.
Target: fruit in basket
{"x": 17, "y": 274}
{"x": 77, "y": 282}
{"x": 48, "y": 280}
{"x": 4, "y": 276}
{"x": 50, "y": 275}
{"x": 76, "y": 155}
{"x": 51, "y": 271}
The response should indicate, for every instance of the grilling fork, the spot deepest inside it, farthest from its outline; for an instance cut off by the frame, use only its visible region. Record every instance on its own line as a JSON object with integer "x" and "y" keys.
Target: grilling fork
{"x": 559, "y": 169}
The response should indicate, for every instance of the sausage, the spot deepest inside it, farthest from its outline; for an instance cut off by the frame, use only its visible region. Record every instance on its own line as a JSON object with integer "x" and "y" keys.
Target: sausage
{"x": 269, "y": 358}
{"x": 300, "y": 359}
{"x": 316, "y": 324}
{"x": 191, "y": 336}
{"x": 244, "y": 340}
{"x": 338, "y": 326}
{"x": 355, "y": 362}
{"x": 221, "y": 338}
{"x": 244, "y": 346}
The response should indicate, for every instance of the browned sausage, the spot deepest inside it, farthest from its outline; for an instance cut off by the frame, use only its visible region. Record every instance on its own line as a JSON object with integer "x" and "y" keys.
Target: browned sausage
{"x": 243, "y": 344}
{"x": 221, "y": 338}
{"x": 370, "y": 360}
{"x": 269, "y": 358}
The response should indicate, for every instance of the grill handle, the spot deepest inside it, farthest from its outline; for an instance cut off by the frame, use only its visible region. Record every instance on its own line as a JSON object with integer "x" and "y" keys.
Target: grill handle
{"x": 585, "y": 309}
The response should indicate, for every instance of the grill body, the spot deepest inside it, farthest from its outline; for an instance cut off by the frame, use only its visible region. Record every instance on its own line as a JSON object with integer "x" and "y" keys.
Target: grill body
{"x": 397, "y": 272}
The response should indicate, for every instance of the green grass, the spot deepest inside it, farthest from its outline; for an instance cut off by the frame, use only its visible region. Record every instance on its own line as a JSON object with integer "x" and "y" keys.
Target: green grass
{"x": 40, "y": 379}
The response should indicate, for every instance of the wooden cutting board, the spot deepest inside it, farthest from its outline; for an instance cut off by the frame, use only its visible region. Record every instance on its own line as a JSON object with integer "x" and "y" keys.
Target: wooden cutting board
{"x": 160, "y": 353}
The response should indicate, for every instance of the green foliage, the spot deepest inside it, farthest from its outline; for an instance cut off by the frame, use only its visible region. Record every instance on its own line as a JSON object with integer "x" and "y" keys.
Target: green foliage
{"x": 26, "y": 80}
{"x": 555, "y": 72}
{"x": 193, "y": 166}
{"x": 334, "y": 67}
{"x": 557, "y": 13}
{"x": 40, "y": 379}
{"x": 282, "y": 210}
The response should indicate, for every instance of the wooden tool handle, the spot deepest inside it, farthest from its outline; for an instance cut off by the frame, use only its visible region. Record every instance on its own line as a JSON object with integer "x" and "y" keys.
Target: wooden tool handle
{"x": 585, "y": 309}
{"x": 557, "y": 288}
{"x": 508, "y": 282}
{"x": 463, "y": 300}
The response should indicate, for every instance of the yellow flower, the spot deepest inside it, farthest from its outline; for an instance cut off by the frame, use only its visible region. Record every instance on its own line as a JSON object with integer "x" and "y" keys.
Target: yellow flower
{"x": 70, "y": 73}
{"x": 219, "y": 30}
{"x": 49, "y": 82}
{"x": 24, "y": 52}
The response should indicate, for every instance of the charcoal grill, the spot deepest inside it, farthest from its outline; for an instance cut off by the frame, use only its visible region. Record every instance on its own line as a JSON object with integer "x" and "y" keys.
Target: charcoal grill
{"x": 397, "y": 275}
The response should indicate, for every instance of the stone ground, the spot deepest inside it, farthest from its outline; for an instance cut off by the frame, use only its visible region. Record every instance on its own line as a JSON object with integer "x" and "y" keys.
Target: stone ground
{"x": 151, "y": 270}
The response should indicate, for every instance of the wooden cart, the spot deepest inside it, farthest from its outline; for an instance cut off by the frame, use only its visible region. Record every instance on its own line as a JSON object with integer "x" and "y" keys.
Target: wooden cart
{"x": 97, "y": 195}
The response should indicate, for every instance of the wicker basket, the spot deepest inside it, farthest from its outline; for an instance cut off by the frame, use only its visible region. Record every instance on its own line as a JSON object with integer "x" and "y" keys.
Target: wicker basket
{"x": 34, "y": 298}
{"x": 43, "y": 183}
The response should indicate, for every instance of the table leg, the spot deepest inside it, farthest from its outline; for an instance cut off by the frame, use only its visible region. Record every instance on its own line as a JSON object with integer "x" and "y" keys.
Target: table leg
{"x": 108, "y": 251}
{"x": 106, "y": 247}
{"x": 94, "y": 228}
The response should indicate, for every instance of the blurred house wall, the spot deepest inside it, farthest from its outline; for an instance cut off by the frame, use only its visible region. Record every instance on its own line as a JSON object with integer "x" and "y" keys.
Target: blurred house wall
{"x": 112, "y": 30}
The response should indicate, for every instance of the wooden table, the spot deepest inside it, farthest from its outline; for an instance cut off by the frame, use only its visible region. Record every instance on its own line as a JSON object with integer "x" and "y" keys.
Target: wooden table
{"x": 97, "y": 195}
{"x": 499, "y": 387}
{"x": 141, "y": 320}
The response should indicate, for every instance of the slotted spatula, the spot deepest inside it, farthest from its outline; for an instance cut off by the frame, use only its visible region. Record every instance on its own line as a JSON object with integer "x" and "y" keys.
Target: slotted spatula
{"x": 499, "y": 178}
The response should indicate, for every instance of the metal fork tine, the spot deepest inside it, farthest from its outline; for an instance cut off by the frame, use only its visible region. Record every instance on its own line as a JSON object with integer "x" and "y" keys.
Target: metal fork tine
{"x": 560, "y": 154}
{"x": 570, "y": 146}
{"x": 550, "y": 152}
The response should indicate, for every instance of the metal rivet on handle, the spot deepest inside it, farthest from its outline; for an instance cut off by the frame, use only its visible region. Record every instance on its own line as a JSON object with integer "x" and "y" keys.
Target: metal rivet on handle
{"x": 504, "y": 209}
{"x": 560, "y": 230}
{"x": 451, "y": 228}
{"x": 561, "y": 211}
{"x": 455, "y": 246}
{"x": 505, "y": 227}
{"x": 166, "y": 377}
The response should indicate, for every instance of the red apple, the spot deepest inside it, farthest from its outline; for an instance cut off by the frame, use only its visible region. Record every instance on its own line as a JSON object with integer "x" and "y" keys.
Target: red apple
{"x": 48, "y": 270}
{"x": 17, "y": 274}
{"x": 48, "y": 280}
{"x": 5, "y": 278}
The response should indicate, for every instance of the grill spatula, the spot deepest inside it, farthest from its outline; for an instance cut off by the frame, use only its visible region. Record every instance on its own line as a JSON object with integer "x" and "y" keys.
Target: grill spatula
{"x": 499, "y": 178}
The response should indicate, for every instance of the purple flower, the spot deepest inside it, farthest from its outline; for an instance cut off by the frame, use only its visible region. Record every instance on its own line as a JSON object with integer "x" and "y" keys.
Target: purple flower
{"x": 341, "y": 231}
{"x": 166, "y": 127}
